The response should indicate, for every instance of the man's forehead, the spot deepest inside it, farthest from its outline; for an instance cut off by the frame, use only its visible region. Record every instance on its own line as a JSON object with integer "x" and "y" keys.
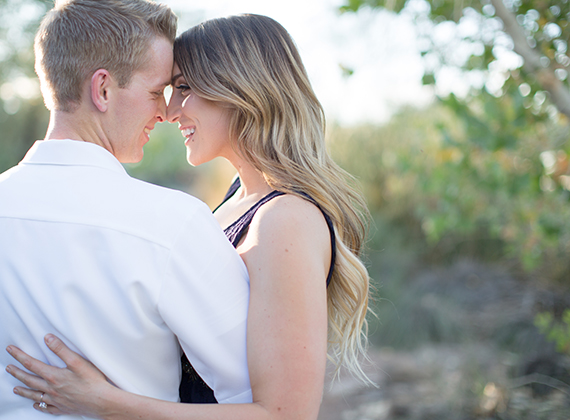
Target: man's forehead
{"x": 153, "y": 80}
{"x": 160, "y": 62}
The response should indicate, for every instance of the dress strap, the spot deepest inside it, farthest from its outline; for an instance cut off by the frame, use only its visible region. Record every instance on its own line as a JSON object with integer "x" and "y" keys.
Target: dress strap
{"x": 237, "y": 229}
{"x": 332, "y": 235}
{"x": 333, "y": 244}
{"x": 231, "y": 191}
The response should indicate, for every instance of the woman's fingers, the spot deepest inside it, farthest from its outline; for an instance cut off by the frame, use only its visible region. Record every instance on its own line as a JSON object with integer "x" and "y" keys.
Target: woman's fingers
{"x": 60, "y": 349}
{"x": 38, "y": 396}
{"x": 57, "y": 387}
{"x": 32, "y": 381}
{"x": 71, "y": 359}
{"x": 30, "y": 363}
{"x": 30, "y": 394}
{"x": 50, "y": 409}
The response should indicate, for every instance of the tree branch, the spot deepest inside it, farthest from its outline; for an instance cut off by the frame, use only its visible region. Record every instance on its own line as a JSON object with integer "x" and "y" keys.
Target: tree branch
{"x": 545, "y": 75}
{"x": 537, "y": 378}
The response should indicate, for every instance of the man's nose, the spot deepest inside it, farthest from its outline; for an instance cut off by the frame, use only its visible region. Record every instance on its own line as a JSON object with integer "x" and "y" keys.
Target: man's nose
{"x": 161, "y": 111}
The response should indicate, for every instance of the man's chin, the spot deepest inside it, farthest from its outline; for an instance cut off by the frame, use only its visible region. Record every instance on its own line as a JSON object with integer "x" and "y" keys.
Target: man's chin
{"x": 135, "y": 158}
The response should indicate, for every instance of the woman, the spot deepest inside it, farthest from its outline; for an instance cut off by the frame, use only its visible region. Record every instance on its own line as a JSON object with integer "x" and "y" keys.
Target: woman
{"x": 240, "y": 91}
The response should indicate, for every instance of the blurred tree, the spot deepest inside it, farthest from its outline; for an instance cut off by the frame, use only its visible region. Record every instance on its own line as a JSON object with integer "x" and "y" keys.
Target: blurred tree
{"x": 555, "y": 330}
{"x": 502, "y": 165}
{"x": 23, "y": 117}
{"x": 484, "y": 35}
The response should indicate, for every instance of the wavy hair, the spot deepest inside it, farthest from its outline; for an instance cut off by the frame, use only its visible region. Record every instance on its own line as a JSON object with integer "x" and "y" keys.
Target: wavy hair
{"x": 250, "y": 64}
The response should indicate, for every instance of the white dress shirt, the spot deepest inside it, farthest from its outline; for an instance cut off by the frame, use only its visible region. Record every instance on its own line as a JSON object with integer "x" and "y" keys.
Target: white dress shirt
{"x": 123, "y": 271}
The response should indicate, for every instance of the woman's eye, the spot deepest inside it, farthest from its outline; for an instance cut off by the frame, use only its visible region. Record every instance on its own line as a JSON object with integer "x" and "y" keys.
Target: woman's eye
{"x": 183, "y": 88}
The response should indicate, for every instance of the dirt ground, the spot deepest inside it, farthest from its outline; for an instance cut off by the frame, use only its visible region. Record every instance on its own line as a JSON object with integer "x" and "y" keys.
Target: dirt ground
{"x": 482, "y": 358}
{"x": 441, "y": 383}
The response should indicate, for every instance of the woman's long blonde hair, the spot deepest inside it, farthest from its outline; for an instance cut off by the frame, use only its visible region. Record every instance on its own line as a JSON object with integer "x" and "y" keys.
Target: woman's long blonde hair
{"x": 250, "y": 64}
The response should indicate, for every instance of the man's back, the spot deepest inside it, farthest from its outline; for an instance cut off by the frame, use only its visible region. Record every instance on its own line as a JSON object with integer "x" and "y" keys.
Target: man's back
{"x": 118, "y": 268}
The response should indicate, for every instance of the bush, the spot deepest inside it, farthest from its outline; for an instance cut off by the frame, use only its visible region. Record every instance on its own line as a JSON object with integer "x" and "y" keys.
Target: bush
{"x": 557, "y": 331}
{"x": 484, "y": 174}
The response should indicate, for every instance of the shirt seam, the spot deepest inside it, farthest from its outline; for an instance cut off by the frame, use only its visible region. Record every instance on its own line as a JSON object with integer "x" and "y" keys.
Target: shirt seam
{"x": 125, "y": 232}
{"x": 116, "y": 169}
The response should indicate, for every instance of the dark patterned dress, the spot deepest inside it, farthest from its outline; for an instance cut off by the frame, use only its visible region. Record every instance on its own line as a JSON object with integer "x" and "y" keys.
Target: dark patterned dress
{"x": 192, "y": 388}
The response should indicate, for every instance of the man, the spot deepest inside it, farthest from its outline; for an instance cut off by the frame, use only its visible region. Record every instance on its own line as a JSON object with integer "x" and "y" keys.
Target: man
{"x": 122, "y": 270}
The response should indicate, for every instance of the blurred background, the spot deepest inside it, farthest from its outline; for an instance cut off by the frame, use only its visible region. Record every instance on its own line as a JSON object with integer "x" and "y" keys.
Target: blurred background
{"x": 454, "y": 117}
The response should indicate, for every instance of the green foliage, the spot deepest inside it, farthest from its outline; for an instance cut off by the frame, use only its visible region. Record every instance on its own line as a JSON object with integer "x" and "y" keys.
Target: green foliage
{"x": 544, "y": 22}
{"x": 19, "y": 131}
{"x": 557, "y": 331}
{"x": 479, "y": 44}
{"x": 23, "y": 117}
{"x": 429, "y": 170}
{"x": 354, "y": 5}
{"x": 495, "y": 162}
{"x": 18, "y": 22}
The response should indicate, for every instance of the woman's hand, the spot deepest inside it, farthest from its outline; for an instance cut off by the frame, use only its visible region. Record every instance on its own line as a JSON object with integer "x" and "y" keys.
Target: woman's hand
{"x": 70, "y": 390}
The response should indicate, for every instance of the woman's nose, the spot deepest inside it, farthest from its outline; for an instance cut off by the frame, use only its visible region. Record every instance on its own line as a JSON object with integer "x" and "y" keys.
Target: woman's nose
{"x": 173, "y": 109}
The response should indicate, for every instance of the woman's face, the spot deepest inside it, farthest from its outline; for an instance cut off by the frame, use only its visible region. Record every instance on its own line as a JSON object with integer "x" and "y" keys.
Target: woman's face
{"x": 203, "y": 123}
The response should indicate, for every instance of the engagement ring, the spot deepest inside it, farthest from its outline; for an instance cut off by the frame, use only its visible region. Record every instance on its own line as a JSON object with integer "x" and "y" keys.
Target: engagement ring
{"x": 42, "y": 404}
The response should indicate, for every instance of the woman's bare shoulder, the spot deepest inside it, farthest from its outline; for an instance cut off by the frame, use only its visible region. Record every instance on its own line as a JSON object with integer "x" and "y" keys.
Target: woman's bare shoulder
{"x": 289, "y": 219}
{"x": 292, "y": 212}
{"x": 288, "y": 243}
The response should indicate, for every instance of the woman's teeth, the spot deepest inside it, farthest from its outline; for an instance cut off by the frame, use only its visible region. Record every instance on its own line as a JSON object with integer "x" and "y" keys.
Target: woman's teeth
{"x": 188, "y": 132}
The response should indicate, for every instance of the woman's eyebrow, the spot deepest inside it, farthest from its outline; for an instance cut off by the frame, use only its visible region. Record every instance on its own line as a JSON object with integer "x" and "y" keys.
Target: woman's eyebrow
{"x": 173, "y": 80}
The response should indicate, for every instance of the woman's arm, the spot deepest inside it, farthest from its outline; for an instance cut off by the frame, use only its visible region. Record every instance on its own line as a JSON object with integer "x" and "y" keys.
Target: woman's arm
{"x": 287, "y": 252}
{"x": 82, "y": 389}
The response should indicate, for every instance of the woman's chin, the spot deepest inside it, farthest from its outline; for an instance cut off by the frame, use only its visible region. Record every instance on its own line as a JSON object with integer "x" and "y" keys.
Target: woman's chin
{"x": 197, "y": 159}
{"x": 192, "y": 160}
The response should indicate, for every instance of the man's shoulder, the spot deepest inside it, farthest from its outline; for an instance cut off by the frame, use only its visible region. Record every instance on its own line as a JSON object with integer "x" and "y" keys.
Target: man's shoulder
{"x": 155, "y": 193}
{"x": 153, "y": 202}
{"x": 105, "y": 199}
{"x": 6, "y": 174}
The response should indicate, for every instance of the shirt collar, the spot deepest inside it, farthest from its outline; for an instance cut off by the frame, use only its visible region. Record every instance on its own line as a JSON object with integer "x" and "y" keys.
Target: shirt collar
{"x": 72, "y": 153}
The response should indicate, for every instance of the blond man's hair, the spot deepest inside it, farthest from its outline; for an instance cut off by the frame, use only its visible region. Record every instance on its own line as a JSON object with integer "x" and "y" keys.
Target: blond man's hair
{"x": 78, "y": 37}
{"x": 250, "y": 64}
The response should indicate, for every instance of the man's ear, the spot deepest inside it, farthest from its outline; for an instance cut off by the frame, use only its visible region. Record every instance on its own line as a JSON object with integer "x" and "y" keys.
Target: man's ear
{"x": 100, "y": 83}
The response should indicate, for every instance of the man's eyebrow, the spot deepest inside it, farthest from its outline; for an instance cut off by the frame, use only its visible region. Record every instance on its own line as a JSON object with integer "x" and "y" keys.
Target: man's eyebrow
{"x": 163, "y": 85}
{"x": 174, "y": 78}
